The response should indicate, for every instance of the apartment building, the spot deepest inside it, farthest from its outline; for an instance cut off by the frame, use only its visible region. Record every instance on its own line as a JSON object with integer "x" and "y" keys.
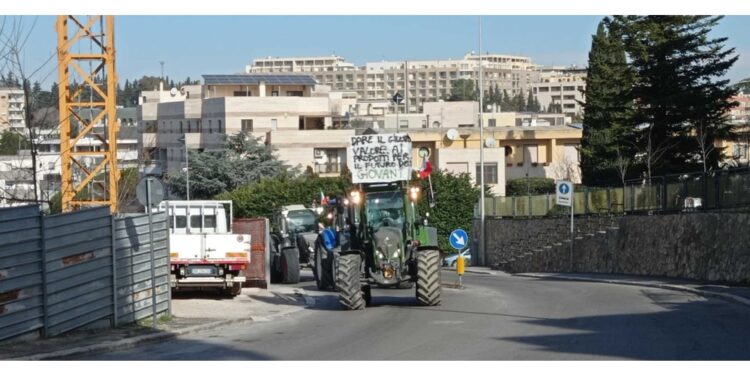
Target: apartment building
{"x": 444, "y": 114}
{"x": 561, "y": 90}
{"x": 287, "y": 111}
{"x": 509, "y": 153}
{"x": 418, "y": 81}
{"x": 12, "y": 106}
{"x": 737, "y": 151}
{"x": 16, "y": 171}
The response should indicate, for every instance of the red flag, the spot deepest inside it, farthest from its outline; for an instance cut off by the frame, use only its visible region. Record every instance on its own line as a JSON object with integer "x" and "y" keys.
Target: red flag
{"x": 426, "y": 169}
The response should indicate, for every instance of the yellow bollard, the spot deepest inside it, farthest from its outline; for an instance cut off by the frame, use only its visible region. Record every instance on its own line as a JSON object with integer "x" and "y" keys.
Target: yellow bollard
{"x": 460, "y": 265}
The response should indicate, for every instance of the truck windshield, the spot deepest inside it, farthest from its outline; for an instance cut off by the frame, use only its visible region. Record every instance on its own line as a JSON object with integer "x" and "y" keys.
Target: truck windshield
{"x": 385, "y": 208}
{"x": 301, "y": 221}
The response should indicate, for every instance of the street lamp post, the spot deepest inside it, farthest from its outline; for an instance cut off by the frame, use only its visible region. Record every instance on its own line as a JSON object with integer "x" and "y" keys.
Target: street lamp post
{"x": 481, "y": 155}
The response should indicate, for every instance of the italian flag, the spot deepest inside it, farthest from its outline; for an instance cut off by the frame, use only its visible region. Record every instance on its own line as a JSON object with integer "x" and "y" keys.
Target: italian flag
{"x": 323, "y": 199}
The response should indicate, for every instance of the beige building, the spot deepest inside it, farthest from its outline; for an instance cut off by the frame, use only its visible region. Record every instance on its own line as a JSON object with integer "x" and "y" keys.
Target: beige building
{"x": 445, "y": 114}
{"x": 12, "y": 105}
{"x": 419, "y": 81}
{"x": 288, "y": 111}
{"x": 561, "y": 88}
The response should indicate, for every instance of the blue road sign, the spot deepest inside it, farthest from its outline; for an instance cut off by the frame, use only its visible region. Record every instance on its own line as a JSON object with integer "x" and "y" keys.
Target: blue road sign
{"x": 459, "y": 239}
{"x": 564, "y": 189}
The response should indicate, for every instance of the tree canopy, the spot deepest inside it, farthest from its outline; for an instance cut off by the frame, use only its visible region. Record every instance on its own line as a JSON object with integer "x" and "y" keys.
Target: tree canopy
{"x": 241, "y": 160}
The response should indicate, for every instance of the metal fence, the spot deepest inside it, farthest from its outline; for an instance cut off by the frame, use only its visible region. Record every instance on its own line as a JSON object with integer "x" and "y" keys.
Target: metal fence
{"x": 671, "y": 193}
{"x": 62, "y": 272}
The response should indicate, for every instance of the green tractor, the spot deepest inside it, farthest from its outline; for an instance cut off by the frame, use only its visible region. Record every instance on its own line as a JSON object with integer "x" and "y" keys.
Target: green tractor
{"x": 378, "y": 238}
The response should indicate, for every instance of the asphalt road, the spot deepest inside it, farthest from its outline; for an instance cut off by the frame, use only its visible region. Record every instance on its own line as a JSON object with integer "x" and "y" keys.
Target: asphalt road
{"x": 493, "y": 318}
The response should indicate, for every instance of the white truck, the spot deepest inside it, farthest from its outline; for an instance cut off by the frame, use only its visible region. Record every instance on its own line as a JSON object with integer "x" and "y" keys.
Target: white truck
{"x": 203, "y": 251}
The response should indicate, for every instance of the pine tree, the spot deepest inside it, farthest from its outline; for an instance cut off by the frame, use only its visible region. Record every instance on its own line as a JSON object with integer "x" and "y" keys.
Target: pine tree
{"x": 530, "y": 102}
{"x": 607, "y": 125}
{"x": 505, "y": 102}
{"x": 518, "y": 102}
{"x": 681, "y": 94}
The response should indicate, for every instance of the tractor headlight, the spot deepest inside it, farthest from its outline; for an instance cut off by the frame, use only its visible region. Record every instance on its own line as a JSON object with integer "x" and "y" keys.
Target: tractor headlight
{"x": 414, "y": 193}
{"x": 356, "y": 198}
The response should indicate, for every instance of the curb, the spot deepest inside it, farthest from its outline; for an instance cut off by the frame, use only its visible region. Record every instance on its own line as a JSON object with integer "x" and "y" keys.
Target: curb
{"x": 168, "y": 335}
{"x": 725, "y": 296}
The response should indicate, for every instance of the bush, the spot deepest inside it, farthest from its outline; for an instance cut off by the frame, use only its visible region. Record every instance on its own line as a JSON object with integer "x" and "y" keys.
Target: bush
{"x": 260, "y": 199}
{"x": 530, "y": 186}
{"x": 455, "y": 198}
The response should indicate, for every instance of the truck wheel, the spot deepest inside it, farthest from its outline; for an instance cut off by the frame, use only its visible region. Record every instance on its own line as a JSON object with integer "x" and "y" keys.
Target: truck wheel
{"x": 347, "y": 282}
{"x": 235, "y": 290}
{"x": 323, "y": 271}
{"x": 290, "y": 266}
{"x": 428, "y": 277}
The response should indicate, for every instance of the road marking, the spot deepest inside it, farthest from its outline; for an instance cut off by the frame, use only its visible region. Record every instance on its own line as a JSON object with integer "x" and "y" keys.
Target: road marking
{"x": 447, "y": 322}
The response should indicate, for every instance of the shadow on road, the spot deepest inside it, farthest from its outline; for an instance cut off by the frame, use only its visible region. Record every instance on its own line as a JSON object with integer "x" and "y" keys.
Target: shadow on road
{"x": 190, "y": 350}
{"x": 679, "y": 332}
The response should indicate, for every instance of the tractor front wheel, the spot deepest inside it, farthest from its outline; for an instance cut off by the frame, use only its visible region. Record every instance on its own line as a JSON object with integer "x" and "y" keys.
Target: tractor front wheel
{"x": 428, "y": 277}
{"x": 348, "y": 283}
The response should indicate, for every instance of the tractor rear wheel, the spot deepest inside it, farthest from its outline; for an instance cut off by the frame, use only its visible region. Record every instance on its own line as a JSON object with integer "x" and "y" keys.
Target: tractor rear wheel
{"x": 428, "y": 277}
{"x": 290, "y": 265}
{"x": 323, "y": 269}
{"x": 348, "y": 283}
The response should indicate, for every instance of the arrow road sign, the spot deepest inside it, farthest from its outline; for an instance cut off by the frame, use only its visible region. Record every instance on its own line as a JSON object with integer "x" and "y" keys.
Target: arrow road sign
{"x": 459, "y": 239}
{"x": 564, "y": 193}
{"x": 398, "y": 98}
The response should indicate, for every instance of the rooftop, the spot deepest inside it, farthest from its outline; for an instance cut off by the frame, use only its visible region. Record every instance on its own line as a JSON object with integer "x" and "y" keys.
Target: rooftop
{"x": 257, "y": 78}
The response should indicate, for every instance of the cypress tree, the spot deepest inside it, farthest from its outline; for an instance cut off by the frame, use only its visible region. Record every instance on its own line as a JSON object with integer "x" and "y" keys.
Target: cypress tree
{"x": 607, "y": 125}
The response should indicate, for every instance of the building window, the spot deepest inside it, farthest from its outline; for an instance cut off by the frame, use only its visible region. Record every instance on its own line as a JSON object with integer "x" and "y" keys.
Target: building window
{"x": 465, "y": 125}
{"x": 241, "y": 93}
{"x": 492, "y": 123}
{"x": 436, "y": 124}
{"x": 740, "y": 151}
{"x": 328, "y": 160}
{"x": 490, "y": 173}
{"x": 274, "y": 124}
{"x": 220, "y": 130}
{"x": 293, "y": 93}
{"x": 275, "y": 93}
{"x": 424, "y": 123}
{"x": 530, "y": 155}
{"x": 247, "y": 126}
{"x": 403, "y": 124}
{"x": 181, "y": 130}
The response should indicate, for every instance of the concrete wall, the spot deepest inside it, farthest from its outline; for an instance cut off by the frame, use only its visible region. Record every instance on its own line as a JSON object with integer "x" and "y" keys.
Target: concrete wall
{"x": 699, "y": 246}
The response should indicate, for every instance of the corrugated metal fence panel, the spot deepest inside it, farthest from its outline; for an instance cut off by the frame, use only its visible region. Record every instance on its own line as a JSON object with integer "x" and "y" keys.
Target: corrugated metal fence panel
{"x": 21, "y": 290}
{"x": 79, "y": 268}
{"x": 133, "y": 272}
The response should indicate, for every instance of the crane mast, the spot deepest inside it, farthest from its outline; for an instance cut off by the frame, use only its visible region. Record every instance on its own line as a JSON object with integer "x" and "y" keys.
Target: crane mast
{"x": 88, "y": 111}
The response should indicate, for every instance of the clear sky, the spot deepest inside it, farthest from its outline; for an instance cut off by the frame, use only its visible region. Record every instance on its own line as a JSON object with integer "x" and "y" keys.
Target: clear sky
{"x": 195, "y": 45}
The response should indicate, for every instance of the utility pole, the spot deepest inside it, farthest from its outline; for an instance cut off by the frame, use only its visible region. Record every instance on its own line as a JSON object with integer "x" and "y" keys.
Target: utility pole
{"x": 32, "y": 136}
{"x": 481, "y": 155}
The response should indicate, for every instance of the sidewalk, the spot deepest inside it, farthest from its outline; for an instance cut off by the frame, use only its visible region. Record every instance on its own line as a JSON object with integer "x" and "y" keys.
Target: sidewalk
{"x": 737, "y": 294}
{"x": 192, "y": 312}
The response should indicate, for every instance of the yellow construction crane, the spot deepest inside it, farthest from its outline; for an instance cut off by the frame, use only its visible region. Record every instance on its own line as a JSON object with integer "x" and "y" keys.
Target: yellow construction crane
{"x": 89, "y": 170}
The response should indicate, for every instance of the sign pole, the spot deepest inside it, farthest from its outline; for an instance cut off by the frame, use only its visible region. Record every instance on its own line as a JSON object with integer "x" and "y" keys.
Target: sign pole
{"x": 572, "y": 235}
